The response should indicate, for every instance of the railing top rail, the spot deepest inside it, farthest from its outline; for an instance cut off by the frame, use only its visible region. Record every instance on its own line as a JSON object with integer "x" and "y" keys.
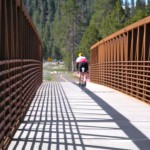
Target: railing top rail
{"x": 122, "y": 31}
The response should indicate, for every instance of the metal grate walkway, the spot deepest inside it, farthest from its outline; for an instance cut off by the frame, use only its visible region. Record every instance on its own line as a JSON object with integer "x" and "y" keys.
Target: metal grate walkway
{"x": 63, "y": 117}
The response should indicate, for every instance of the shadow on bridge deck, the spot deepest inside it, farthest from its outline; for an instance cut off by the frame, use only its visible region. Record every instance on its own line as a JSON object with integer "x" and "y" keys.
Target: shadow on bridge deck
{"x": 63, "y": 117}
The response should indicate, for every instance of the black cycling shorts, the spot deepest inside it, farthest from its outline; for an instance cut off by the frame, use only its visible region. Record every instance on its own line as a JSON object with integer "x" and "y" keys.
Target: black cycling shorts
{"x": 83, "y": 67}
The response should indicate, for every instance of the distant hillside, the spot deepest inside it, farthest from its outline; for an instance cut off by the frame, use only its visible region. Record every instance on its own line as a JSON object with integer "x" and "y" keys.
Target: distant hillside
{"x": 67, "y": 27}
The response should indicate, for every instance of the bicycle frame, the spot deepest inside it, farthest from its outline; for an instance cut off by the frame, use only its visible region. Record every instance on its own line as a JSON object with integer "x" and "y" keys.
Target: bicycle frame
{"x": 82, "y": 78}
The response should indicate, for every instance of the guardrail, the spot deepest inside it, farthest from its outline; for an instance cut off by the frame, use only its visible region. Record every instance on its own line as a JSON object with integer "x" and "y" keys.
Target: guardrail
{"x": 122, "y": 60}
{"x": 20, "y": 66}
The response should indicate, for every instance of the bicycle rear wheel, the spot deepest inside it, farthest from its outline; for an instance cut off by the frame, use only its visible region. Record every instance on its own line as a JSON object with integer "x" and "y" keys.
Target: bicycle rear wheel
{"x": 84, "y": 80}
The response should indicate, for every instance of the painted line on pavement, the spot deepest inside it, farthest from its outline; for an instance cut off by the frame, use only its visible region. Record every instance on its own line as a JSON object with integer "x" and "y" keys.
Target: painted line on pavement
{"x": 61, "y": 76}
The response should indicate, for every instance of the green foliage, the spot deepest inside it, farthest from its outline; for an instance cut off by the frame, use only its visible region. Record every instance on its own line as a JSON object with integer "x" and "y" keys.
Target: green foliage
{"x": 140, "y": 11}
{"x": 132, "y": 7}
{"x": 127, "y": 10}
{"x": 67, "y": 27}
{"x": 147, "y": 11}
{"x": 113, "y": 21}
{"x": 89, "y": 38}
{"x": 67, "y": 59}
{"x": 92, "y": 32}
{"x": 140, "y": 4}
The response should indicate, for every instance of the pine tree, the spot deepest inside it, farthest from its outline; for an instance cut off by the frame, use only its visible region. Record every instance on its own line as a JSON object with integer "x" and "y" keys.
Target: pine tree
{"x": 113, "y": 21}
{"x": 139, "y": 12}
{"x": 70, "y": 10}
{"x": 132, "y": 7}
{"x": 29, "y": 7}
{"x": 140, "y": 4}
{"x": 90, "y": 37}
{"x": 69, "y": 26}
{"x": 148, "y": 8}
{"x": 127, "y": 10}
{"x": 92, "y": 33}
{"x": 51, "y": 9}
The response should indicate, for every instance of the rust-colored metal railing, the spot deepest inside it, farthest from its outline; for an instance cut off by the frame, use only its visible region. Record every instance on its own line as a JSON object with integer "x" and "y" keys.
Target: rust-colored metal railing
{"x": 122, "y": 60}
{"x": 20, "y": 66}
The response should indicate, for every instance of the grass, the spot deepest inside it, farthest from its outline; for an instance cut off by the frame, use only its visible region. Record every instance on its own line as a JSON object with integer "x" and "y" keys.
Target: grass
{"x": 71, "y": 75}
{"x": 48, "y": 78}
{"x": 54, "y": 67}
{"x": 49, "y": 68}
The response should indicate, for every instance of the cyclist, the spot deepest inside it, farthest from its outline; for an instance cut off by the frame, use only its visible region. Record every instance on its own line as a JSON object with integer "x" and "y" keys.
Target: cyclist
{"x": 82, "y": 65}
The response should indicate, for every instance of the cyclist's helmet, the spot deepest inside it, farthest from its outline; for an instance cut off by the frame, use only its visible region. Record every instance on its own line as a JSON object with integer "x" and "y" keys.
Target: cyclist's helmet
{"x": 81, "y": 54}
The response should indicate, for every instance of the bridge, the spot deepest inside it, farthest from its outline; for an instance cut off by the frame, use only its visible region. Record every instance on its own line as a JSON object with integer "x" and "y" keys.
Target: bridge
{"x": 122, "y": 60}
{"x": 59, "y": 115}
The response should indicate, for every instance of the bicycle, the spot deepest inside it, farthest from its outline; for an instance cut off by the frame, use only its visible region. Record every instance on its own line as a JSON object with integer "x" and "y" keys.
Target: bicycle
{"x": 82, "y": 78}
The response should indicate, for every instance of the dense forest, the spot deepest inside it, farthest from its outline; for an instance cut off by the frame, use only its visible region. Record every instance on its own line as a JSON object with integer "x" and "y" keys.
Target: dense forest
{"x": 67, "y": 27}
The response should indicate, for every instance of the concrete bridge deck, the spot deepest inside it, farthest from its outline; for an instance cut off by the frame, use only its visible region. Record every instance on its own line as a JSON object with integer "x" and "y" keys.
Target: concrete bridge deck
{"x": 63, "y": 117}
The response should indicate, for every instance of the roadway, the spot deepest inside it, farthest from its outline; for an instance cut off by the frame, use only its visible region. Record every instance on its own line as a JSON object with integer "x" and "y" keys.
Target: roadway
{"x": 63, "y": 117}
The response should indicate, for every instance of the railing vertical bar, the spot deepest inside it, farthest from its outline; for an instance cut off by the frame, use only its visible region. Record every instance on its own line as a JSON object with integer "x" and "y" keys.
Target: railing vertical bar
{"x": 124, "y": 60}
{"x": 20, "y": 66}
{"x": 0, "y": 24}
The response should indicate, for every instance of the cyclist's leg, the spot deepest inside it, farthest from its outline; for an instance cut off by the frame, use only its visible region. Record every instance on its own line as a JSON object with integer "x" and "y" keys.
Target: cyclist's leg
{"x": 80, "y": 71}
{"x": 85, "y": 78}
{"x": 85, "y": 73}
{"x": 80, "y": 78}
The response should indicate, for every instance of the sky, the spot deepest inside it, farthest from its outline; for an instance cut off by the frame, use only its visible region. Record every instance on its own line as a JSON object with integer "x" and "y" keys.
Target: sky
{"x": 134, "y": 1}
